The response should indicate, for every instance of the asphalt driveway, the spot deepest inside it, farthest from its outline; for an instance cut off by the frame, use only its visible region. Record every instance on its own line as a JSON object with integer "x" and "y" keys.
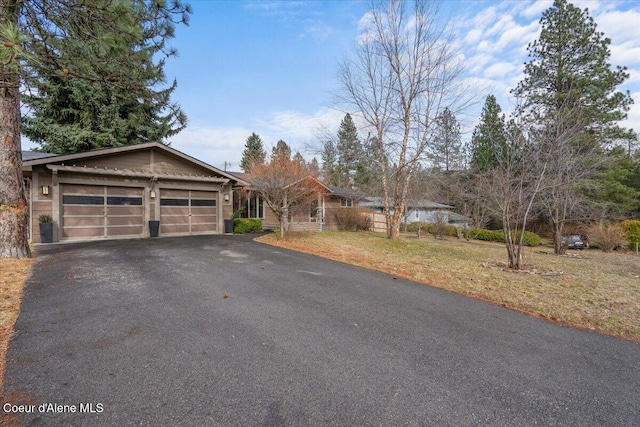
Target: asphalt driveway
{"x": 141, "y": 333}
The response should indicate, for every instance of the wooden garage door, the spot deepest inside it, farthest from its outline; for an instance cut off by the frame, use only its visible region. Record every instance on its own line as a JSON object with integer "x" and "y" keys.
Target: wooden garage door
{"x": 188, "y": 211}
{"x": 96, "y": 211}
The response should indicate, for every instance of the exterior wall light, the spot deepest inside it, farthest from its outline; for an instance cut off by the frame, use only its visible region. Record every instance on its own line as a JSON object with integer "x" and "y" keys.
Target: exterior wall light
{"x": 45, "y": 190}
{"x": 226, "y": 197}
{"x": 152, "y": 194}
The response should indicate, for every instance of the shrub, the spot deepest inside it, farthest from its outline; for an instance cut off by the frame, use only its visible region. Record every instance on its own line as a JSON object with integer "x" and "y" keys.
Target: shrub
{"x": 44, "y": 219}
{"x": 247, "y": 225}
{"x": 530, "y": 239}
{"x": 349, "y": 219}
{"x": 412, "y": 227}
{"x": 631, "y": 230}
{"x": 607, "y": 236}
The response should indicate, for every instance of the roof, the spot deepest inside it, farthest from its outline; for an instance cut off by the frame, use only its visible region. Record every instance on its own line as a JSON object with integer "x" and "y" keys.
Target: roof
{"x": 32, "y": 155}
{"x": 411, "y": 204}
{"x": 44, "y": 160}
{"x": 348, "y": 193}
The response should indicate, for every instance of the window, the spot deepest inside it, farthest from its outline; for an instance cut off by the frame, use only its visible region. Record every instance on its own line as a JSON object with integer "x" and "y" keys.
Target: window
{"x": 174, "y": 202}
{"x": 255, "y": 207}
{"x": 83, "y": 200}
{"x": 124, "y": 201}
{"x": 203, "y": 202}
{"x": 346, "y": 203}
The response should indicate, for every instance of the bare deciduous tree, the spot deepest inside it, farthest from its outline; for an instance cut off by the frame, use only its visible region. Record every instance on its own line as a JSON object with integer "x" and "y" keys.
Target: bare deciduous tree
{"x": 402, "y": 76}
{"x": 284, "y": 185}
{"x": 514, "y": 184}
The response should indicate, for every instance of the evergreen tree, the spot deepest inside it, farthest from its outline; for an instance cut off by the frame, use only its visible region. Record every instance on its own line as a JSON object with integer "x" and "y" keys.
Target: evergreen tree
{"x": 281, "y": 150}
{"x": 367, "y": 173}
{"x": 569, "y": 84}
{"x": 329, "y": 163}
{"x": 314, "y": 167}
{"x": 253, "y": 152}
{"x": 570, "y": 97}
{"x": 349, "y": 152}
{"x": 69, "y": 114}
{"x": 488, "y": 139}
{"x": 298, "y": 158}
{"x": 447, "y": 152}
{"x": 114, "y": 43}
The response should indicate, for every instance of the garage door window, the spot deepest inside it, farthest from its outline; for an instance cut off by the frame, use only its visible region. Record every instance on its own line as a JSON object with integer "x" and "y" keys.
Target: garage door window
{"x": 174, "y": 202}
{"x": 82, "y": 200}
{"x": 124, "y": 201}
{"x": 203, "y": 202}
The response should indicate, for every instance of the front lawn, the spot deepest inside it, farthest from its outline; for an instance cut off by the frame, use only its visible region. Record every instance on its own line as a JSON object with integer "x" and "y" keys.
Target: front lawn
{"x": 586, "y": 289}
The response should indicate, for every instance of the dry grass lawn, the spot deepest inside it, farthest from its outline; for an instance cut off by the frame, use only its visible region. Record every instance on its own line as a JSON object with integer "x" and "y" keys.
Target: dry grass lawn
{"x": 13, "y": 273}
{"x": 586, "y": 289}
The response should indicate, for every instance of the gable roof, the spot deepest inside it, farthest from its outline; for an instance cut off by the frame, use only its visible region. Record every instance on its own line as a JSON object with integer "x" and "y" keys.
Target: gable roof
{"x": 36, "y": 160}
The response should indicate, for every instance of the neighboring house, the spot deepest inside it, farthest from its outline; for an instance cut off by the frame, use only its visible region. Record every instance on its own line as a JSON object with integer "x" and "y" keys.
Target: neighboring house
{"x": 115, "y": 192}
{"x": 423, "y": 211}
{"x": 321, "y": 214}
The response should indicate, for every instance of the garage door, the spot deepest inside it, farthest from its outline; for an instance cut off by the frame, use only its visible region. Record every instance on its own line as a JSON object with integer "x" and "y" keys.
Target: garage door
{"x": 188, "y": 211}
{"x": 93, "y": 211}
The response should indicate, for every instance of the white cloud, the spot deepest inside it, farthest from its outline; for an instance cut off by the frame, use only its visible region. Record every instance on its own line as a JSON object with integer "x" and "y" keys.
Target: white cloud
{"x": 499, "y": 70}
{"x": 620, "y": 26}
{"x": 217, "y": 145}
{"x": 473, "y": 36}
{"x": 536, "y": 9}
{"x": 214, "y": 146}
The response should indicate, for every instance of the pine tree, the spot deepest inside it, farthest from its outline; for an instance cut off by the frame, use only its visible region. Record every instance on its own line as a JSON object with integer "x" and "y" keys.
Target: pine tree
{"x": 488, "y": 139}
{"x": 253, "y": 152}
{"x": 569, "y": 84}
{"x": 329, "y": 163}
{"x": 446, "y": 152}
{"x": 570, "y": 96}
{"x": 349, "y": 152}
{"x": 281, "y": 150}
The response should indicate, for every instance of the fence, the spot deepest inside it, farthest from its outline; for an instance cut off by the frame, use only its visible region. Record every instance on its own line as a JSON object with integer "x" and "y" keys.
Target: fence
{"x": 378, "y": 221}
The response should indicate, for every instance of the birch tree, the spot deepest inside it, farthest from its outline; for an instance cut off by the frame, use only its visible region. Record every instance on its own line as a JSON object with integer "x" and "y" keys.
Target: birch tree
{"x": 401, "y": 76}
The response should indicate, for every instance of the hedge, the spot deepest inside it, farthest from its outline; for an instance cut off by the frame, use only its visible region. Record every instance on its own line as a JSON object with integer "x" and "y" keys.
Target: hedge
{"x": 530, "y": 239}
{"x": 246, "y": 225}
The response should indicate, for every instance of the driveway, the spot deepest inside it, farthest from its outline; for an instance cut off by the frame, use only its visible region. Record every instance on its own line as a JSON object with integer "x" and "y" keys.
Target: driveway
{"x": 141, "y": 333}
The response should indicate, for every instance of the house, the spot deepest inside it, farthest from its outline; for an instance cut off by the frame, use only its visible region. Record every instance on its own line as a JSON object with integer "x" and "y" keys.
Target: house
{"x": 323, "y": 213}
{"x": 423, "y": 211}
{"x": 114, "y": 192}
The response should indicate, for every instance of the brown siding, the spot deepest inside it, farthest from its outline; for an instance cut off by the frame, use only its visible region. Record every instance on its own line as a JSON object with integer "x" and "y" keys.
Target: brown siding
{"x": 140, "y": 160}
{"x": 38, "y": 208}
{"x": 167, "y": 164}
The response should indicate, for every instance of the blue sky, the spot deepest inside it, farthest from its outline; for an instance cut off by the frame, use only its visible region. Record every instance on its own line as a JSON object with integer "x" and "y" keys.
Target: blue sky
{"x": 270, "y": 66}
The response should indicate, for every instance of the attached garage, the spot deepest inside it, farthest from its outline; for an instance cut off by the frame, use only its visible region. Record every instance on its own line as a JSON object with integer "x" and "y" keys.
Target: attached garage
{"x": 188, "y": 211}
{"x": 92, "y": 211}
{"x": 116, "y": 193}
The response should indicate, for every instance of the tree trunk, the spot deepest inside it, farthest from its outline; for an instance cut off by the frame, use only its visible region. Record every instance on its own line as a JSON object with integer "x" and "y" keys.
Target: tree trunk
{"x": 558, "y": 247}
{"x": 14, "y": 211}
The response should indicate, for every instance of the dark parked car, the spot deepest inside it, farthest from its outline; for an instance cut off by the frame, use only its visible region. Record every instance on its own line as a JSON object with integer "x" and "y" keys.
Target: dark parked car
{"x": 573, "y": 241}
